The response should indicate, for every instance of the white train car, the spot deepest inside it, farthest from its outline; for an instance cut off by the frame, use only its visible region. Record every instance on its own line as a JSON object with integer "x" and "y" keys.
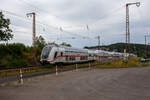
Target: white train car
{"x": 59, "y": 54}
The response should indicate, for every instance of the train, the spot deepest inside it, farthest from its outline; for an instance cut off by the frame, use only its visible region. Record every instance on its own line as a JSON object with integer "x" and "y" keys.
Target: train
{"x": 53, "y": 54}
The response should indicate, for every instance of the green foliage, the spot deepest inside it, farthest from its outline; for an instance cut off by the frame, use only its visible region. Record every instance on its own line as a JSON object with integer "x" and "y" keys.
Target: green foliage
{"x": 134, "y": 62}
{"x": 12, "y": 49}
{"x": 14, "y": 55}
{"x": 19, "y": 55}
{"x": 138, "y": 49}
{"x": 5, "y": 31}
{"x": 65, "y": 44}
{"x": 52, "y": 43}
{"x": 40, "y": 43}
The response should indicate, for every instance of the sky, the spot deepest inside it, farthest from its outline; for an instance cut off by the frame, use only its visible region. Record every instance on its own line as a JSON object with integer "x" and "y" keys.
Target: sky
{"x": 77, "y": 22}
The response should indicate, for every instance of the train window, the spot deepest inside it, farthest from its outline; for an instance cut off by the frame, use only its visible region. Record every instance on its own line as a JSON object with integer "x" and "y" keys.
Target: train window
{"x": 71, "y": 58}
{"x": 67, "y": 58}
{"x": 83, "y": 58}
{"x": 45, "y": 52}
{"x": 61, "y": 53}
{"x": 55, "y": 54}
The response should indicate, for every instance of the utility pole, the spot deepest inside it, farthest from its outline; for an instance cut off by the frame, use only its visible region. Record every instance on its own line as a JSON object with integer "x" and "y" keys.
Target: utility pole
{"x": 146, "y": 49}
{"x": 145, "y": 40}
{"x": 34, "y": 35}
{"x": 128, "y": 25}
{"x": 98, "y": 42}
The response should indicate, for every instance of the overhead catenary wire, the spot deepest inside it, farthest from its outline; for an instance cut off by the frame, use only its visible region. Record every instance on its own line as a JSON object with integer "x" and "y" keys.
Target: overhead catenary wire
{"x": 47, "y": 36}
{"x": 87, "y": 26}
{"x": 61, "y": 29}
{"x": 41, "y": 23}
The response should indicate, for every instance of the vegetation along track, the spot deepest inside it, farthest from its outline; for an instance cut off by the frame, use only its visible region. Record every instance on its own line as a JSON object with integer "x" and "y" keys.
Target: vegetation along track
{"x": 9, "y": 75}
{"x": 14, "y": 74}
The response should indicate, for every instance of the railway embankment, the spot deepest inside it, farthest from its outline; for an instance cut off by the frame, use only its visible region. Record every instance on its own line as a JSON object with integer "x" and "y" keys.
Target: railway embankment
{"x": 134, "y": 62}
{"x": 14, "y": 74}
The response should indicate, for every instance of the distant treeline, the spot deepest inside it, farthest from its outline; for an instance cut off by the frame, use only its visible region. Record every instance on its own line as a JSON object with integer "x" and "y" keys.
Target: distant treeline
{"x": 139, "y": 49}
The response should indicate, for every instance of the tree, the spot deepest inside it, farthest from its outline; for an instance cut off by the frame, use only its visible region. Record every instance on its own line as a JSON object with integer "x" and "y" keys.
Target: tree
{"x": 65, "y": 44}
{"x": 52, "y": 43}
{"x": 40, "y": 42}
{"x": 5, "y": 31}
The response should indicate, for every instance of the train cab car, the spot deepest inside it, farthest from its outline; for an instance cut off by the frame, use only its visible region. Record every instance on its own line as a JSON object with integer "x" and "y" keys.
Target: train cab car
{"x": 60, "y": 54}
{"x": 50, "y": 53}
{"x": 45, "y": 54}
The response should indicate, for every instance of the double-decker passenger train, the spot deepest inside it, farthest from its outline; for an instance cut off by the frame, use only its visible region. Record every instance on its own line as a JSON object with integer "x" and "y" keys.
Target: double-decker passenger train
{"x": 60, "y": 54}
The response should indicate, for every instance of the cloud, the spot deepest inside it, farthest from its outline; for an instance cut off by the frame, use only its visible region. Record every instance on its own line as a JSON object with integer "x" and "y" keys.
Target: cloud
{"x": 104, "y": 18}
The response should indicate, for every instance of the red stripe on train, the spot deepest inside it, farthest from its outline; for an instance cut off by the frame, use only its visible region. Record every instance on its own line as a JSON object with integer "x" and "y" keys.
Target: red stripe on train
{"x": 80, "y": 56}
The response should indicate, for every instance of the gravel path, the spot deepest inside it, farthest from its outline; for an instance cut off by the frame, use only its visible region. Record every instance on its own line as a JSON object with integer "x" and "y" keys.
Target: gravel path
{"x": 98, "y": 84}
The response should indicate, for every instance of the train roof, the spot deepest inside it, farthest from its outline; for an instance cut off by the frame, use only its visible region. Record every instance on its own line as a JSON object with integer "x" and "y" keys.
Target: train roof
{"x": 75, "y": 49}
{"x": 70, "y": 49}
{"x": 78, "y": 50}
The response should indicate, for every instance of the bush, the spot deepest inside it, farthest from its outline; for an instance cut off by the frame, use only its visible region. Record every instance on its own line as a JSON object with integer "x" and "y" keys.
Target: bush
{"x": 15, "y": 55}
{"x": 19, "y": 63}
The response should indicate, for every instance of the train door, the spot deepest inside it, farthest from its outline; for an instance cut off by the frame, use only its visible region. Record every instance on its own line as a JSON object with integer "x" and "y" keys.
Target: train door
{"x": 61, "y": 56}
{"x": 55, "y": 54}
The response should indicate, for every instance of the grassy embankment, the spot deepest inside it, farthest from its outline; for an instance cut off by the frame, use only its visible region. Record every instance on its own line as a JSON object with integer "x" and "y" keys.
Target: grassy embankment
{"x": 134, "y": 62}
{"x": 45, "y": 68}
{"x": 14, "y": 73}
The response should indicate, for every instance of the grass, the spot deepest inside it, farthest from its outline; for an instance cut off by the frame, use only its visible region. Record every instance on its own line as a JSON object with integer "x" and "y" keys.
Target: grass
{"x": 45, "y": 68}
{"x": 14, "y": 73}
{"x": 134, "y": 62}
{"x": 3, "y": 74}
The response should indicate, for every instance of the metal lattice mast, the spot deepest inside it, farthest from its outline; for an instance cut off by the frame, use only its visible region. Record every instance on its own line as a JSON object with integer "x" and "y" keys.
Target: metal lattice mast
{"x": 127, "y": 28}
{"x": 146, "y": 49}
{"x": 98, "y": 42}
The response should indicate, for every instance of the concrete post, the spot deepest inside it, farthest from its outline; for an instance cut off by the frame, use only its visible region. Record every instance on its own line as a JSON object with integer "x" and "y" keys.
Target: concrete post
{"x": 89, "y": 65}
{"x": 76, "y": 67}
{"x": 21, "y": 77}
{"x": 56, "y": 70}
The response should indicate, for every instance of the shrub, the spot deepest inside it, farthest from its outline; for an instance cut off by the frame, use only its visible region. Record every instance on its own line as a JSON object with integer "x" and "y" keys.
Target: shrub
{"x": 15, "y": 55}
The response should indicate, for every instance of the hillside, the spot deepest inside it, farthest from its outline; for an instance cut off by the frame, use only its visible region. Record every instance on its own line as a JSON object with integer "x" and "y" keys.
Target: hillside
{"x": 138, "y": 49}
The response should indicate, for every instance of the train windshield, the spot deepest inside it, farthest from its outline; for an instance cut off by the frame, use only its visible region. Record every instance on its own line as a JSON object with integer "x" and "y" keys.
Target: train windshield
{"x": 45, "y": 52}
